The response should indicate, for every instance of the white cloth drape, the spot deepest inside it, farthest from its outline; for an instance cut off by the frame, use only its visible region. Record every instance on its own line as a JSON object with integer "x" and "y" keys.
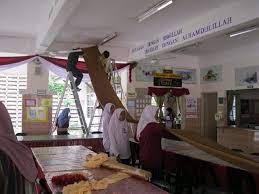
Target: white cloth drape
{"x": 61, "y": 72}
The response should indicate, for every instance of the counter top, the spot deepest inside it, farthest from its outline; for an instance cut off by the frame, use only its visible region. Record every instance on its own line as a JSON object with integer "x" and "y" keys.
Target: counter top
{"x": 57, "y": 137}
{"x": 240, "y": 128}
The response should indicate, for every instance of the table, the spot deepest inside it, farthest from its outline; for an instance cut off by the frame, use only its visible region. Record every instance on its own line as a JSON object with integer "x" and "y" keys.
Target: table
{"x": 91, "y": 140}
{"x": 185, "y": 149}
{"x": 58, "y": 160}
{"x": 224, "y": 172}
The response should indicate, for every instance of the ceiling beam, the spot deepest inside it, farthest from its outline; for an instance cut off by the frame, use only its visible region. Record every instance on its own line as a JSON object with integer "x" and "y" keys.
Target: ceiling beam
{"x": 59, "y": 14}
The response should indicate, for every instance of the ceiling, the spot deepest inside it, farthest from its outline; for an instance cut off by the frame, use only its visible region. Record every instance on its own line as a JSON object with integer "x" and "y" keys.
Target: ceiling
{"x": 222, "y": 43}
{"x": 94, "y": 20}
{"x": 19, "y": 19}
{"x": 90, "y": 21}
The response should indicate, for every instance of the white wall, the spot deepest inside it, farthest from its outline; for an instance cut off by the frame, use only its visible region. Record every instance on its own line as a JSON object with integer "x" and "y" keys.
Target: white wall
{"x": 188, "y": 62}
{"x": 35, "y": 82}
{"x": 243, "y": 56}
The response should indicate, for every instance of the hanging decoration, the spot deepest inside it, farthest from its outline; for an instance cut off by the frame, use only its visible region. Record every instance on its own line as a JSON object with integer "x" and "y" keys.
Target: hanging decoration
{"x": 9, "y": 62}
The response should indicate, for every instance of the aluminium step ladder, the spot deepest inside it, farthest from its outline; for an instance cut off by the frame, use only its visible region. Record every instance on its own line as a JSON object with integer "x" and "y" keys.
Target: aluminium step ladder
{"x": 116, "y": 84}
{"x": 98, "y": 117}
{"x": 80, "y": 112}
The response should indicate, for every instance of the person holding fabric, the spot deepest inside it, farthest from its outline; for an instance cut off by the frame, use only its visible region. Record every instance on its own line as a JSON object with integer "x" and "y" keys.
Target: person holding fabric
{"x": 71, "y": 66}
{"x": 63, "y": 122}
{"x": 169, "y": 118}
{"x": 107, "y": 113}
{"x": 18, "y": 171}
{"x": 149, "y": 134}
{"x": 104, "y": 59}
{"x": 119, "y": 136}
{"x": 106, "y": 65}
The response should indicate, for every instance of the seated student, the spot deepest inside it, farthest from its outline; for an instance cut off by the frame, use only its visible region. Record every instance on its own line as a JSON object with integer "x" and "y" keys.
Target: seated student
{"x": 149, "y": 134}
{"x": 71, "y": 66}
{"x": 119, "y": 136}
{"x": 63, "y": 122}
{"x": 107, "y": 113}
{"x": 18, "y": 171}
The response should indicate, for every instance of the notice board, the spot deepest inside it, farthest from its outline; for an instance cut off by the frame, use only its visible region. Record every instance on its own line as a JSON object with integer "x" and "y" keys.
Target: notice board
{"x": 36, "y": 114}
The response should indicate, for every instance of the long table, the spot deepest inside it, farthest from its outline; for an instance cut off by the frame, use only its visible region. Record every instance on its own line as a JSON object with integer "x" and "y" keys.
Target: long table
{"x": 63, "y": 159}
{"x": 221, "y": 168}
{"x": 92, "y": 140}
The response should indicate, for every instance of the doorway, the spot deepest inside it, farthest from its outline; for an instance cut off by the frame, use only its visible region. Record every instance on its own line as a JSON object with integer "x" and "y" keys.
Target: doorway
{"x": 209, "y": 111}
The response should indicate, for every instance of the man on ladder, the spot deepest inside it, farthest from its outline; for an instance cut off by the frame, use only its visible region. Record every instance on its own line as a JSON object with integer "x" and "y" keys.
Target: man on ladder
{"x": 71, "y": 66}
{"x": 73, "y": 72}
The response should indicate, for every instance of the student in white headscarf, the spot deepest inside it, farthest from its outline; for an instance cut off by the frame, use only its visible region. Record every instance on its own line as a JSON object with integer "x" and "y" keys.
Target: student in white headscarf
{"x": 149, "y": 134}
{"x": 119, "y": 136}
{"x": 147, "y": 116}
{"x": 107, "y": 113}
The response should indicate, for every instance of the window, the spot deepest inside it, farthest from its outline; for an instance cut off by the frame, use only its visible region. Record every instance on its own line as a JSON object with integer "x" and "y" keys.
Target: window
{"x": 89, "y": 111}
{"x": 232, "y": 114}
{"x": 11, "y": 85}
{"x": 56, "y": 86}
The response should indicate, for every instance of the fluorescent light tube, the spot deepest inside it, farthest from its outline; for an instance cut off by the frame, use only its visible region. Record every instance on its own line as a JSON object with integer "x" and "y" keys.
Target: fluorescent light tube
{"x": 158, "y": 7}
{"x": 121, "y": 62}
{"x": 164, "y": 5}
{"x": 69, "y": 51}
{"x": 247, "y": 30}
{"x": 108, "y": 38}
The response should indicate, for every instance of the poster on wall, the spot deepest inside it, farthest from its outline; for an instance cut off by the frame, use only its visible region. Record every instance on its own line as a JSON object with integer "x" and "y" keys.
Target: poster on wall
{"x": 246, "y": 76}
{"x": 145, "y": 73}
{"x": 30, "y": 102}
{"x": 211, "y": 74}
{"x": 46, "y": 102}
{"x": 188, "y": 75}
{"x": 37, "y": 114}
{"x": 191, "y": 107}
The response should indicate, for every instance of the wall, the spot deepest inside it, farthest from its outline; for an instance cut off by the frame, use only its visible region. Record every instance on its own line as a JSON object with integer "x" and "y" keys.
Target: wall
{"x": 35, "y": 82}
{"x": 188, "y": 62}
{"x": 243, "y": 56}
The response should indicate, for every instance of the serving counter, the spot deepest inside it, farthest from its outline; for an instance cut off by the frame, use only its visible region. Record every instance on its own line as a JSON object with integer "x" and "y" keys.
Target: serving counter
{"x": 93, "y": 141}
{"x": 240, "y": 139}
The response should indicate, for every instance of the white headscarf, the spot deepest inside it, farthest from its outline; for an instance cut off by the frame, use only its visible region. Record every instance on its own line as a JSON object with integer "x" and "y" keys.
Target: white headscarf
{"x": 147, "y": 116}
{"x": 115, "y": 123}
{"x": 118, "y": 134}
{"x": 106, "y": 119}
{"x": 107, "y": 114}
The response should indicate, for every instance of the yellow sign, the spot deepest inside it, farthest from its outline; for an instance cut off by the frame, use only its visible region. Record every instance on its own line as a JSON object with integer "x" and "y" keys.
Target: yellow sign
{"x": 46, "y": 102}
{"x": 36, "y": 114}
{"x": 168, "y": 75}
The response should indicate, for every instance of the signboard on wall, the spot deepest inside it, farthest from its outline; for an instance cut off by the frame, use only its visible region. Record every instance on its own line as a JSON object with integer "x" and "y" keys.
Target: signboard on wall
{"x": 212, "y": 74}
{"x": 168, "y": 80}
{"x": 188, "y": 75}
{"x": 246, "y": 76}
{"x": 180, "y": 36}
{"x": 191, "y": 107}
{"x": 36, "y": 114}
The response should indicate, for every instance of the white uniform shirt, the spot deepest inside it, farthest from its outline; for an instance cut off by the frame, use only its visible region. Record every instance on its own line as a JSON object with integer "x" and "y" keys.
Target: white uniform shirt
{"x": 105, "y": 122}
{"x": 119, "y": 136}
